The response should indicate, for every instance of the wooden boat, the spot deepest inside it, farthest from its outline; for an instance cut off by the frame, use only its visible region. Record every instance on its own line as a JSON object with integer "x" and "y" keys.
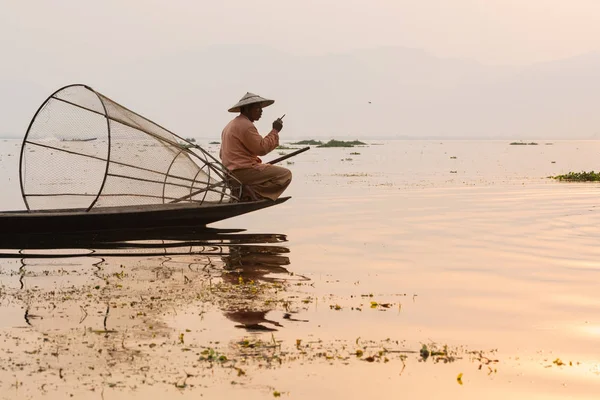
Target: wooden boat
{"x": 126, "y": 217}
{"x": 135, "y": 174}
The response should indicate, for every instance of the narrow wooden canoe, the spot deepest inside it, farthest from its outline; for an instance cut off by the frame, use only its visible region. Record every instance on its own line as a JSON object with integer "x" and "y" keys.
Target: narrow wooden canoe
{"x": 126, "y": 217}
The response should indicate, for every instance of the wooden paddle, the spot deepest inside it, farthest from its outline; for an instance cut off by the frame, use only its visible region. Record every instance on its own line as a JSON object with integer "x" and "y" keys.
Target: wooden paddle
{"x": 292, "y": 154}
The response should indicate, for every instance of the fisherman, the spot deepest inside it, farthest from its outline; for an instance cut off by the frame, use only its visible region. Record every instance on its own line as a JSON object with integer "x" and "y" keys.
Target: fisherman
{"x": 241, "y": 146}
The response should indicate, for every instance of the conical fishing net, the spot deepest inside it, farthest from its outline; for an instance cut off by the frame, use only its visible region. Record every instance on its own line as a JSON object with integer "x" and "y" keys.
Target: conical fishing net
{"x": 83, "y": 150}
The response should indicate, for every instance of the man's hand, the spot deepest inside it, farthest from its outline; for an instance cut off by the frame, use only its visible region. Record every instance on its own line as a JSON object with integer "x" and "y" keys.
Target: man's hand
{"x": 278, "y": 124}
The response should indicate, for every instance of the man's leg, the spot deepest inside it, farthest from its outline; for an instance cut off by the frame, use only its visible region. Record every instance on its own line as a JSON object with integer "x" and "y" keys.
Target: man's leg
{"x": 269, "y": 182}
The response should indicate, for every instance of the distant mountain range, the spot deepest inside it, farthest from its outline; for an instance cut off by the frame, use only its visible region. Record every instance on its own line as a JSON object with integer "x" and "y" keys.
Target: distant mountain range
{"x": 384, "y": 92}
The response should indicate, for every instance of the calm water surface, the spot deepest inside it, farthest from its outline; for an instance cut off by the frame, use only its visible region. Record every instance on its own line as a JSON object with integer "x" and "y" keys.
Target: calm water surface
{"x": 464, "y": 248}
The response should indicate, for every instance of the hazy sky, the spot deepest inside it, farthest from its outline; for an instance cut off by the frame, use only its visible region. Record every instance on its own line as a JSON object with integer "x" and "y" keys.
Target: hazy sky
{"x": 491, "y": 31}
{"x": 152, "y": 57}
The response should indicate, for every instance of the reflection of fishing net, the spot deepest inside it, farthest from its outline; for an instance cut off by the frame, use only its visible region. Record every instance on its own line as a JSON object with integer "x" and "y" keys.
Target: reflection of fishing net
{"x": 83, "y": 150}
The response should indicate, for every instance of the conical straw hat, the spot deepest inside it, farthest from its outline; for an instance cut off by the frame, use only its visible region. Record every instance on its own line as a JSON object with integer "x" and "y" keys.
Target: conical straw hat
{"x": 251, "y": 98}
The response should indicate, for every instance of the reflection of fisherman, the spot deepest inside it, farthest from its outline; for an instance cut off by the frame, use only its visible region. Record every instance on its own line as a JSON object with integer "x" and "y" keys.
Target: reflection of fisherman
{"x": 241, "y": 144}
{"x": 254, "y": 263}
{"x": 252, "y": 320}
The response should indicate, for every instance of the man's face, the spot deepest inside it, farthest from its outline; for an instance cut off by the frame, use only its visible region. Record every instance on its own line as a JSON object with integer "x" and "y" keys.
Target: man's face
{"x": 255, "y": 112}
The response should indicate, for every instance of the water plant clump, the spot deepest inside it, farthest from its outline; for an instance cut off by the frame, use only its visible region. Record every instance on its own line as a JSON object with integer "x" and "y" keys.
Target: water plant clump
{"x": 342, "y": 143}
{"x": 582, "y": 176}
{"x": 187, "y": 145}
{"x": 310, "y": 142}
{"x": 523, "y": 144}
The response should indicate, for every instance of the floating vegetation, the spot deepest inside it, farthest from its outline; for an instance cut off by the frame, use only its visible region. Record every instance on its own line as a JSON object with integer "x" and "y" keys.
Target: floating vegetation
{"x": 214, "y": 143}
{"x": 290, "y": 163}
{"x": 354, "y": 153}
{"x": 453, "y": 172}
{"x": 281, "y": 153}
{"x": 453, "y": 158}
{"x": 284, "y": 147}
{"x": 579, "y": 177}
{"x": 117, "y": 331}
{"x": 360, "y": 174}
{"x": 192, "y": 140}
{"x": 310, "y": 142}
{"x": 342, "y": 143}
{"x": 523, "y": 144}
{"x": 437, "y": 354}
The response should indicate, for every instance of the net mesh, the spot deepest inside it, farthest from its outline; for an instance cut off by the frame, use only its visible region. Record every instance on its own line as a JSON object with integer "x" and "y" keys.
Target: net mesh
{"x": 83, "y": 150}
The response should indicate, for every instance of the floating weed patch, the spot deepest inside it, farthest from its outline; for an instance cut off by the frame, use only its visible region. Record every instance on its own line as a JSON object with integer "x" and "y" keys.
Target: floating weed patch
{"x": 310, "y": 142}
{"x": 578, "y": 177}
{"x": 436, "y": 354}
{"x": 212, "y": 355}
{"x": 278, "y": 353}
{"x": 375, "y": 304}
{"x": 284, "y": 147}
{"x": 558, "y": 362}
{"x": 353, "y": 175}
{"x": 523, "y": 144}
{"x": 342, "y": 143}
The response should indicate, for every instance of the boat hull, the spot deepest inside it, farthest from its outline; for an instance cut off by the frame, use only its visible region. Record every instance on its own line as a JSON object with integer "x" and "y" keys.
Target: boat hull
{"x": 130, "y": 217}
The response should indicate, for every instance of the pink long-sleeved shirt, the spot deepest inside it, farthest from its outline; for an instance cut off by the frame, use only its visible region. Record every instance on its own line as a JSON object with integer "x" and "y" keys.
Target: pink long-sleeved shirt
{"x": 241, "y": 144}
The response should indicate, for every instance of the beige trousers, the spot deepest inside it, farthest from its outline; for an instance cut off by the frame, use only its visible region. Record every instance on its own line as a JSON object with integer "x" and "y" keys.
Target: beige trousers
{"x": 268, "y": 183}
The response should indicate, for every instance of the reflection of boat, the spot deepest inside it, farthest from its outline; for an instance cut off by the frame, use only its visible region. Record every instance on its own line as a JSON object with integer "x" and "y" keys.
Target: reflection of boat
{"x": 204, "y": 254}
{"x": 135, "y": 242}
{"x": 139, "y": 174}
{"x": 100, "y": 311}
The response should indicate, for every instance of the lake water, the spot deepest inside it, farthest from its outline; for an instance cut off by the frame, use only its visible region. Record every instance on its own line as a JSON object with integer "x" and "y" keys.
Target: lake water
{"x": 419, "y": 269}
